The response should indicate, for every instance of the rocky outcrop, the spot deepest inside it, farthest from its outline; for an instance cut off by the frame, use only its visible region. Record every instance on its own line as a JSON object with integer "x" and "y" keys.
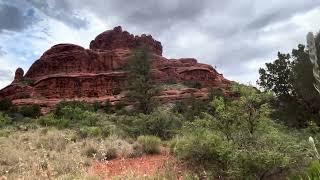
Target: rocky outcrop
{"x": 18, "y": 76}
{"x": 69, "y": 72}
{"x": 118, "y": 39}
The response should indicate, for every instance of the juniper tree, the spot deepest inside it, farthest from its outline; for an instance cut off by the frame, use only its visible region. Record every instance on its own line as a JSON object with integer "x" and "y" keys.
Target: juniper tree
{"x": 139, "y": 81}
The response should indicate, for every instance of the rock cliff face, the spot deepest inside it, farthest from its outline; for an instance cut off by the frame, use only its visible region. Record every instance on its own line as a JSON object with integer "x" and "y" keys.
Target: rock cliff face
{"x": 71, "y": 72}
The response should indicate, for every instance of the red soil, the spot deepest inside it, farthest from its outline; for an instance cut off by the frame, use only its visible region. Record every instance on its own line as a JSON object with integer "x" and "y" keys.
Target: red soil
{"x": 144, "y": 166}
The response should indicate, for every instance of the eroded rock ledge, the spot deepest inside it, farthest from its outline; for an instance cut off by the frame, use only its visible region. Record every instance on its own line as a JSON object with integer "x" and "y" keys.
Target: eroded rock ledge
{"x": 71, "y": 72}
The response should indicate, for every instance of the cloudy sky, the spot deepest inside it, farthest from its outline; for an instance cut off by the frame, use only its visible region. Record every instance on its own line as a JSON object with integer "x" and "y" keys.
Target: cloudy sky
{"x": 236, "y": 36}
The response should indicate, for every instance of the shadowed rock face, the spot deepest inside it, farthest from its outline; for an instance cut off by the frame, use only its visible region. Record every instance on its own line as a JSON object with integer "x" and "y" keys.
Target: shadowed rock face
{"x": 69, "y": 72}
{"x": 18, "y": 75}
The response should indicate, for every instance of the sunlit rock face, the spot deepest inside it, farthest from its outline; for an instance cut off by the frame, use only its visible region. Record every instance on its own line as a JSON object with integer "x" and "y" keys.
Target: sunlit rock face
{"x": 71, "y": 72}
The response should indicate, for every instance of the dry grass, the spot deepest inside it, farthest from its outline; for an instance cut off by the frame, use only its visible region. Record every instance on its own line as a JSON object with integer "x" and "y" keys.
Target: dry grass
{"x": 55, "y": 154}
{"x": 41, "y": 154}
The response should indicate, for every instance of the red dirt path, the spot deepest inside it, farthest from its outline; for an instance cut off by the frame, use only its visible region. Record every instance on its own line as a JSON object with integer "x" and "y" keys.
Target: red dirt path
{"x": 143, "y": 166}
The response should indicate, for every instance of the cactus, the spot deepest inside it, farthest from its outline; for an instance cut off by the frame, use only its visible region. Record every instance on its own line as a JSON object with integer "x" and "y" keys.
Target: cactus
{"x": 314, "y": 60}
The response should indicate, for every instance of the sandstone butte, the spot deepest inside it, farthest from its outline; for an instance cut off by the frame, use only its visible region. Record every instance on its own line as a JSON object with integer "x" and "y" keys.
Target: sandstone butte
{"x": 71, "y": 72}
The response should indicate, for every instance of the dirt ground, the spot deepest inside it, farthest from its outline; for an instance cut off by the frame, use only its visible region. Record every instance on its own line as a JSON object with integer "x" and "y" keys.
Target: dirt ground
{"x": 145, "y": 166}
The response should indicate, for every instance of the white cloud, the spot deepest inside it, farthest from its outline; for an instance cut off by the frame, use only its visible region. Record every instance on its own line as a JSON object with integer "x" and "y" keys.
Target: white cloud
{"x": 237, "y": 37}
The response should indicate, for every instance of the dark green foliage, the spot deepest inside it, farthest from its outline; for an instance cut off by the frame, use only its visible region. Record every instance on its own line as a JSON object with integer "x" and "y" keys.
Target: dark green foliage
{"x": 59, "y": 112}
{"x": 291, "y": 79}
{"x": 305, "y": 94}
{"x": 32, "y": 111}
{"x": 277, "y": 76}
{"x": 139, "y": 83}
{"x": 97, "y": 106}
{"x": 5, "y": 104}
{"x": 202, "y": 147}
{"x": 51, "y": 120}
{"x": 193, "y": 84}
{"x": 4, "y": 120}
{"x": 164, "y": 124}
{"x": 215, "y": 93}
{"x": 107, "y": 107}
{"x": 90, "y": 132}
{"x": 239, "y": 140}
{"x": 191, "y": 107}
{"x": 77, "y": 113}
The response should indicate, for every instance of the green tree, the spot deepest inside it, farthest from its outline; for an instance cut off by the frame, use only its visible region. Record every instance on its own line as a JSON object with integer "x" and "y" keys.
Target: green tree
{"x": 277, "y": 76}
{"x": 303, "y": 80}
{"x": 252, "y": 107}
{"x": 290, "y": 78}
{"x": 141, "y": 88}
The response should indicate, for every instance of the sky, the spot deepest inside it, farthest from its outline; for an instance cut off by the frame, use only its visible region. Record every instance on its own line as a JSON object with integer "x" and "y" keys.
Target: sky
{"x": 236, "y": 37}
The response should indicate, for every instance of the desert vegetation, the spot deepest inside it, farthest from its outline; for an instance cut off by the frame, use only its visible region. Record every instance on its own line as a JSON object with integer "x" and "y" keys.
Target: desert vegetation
{"x": 266, "y": 133}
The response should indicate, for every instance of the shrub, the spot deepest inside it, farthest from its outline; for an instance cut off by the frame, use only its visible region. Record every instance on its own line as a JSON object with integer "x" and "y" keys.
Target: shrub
{"x": 107, "y": 107}
{"x": 5, "y": 104}
{"x": 239, "y": 142}
{"x": 4, "y": 120}
{"x": 150, "y": 144}
{"x": 90, "y": 132}
{"x": 193, "y": 84}
{"x": 96, "y": 106}
{"x": 191, "y": 108}
{"x": 162, "y": 124}
{"x": 51, "y": 120}
{"x": 32, "y": 111}
{"x": 60, "y": 109}
{"x": 78, "y": 116}
{"x": 204, "y": 148}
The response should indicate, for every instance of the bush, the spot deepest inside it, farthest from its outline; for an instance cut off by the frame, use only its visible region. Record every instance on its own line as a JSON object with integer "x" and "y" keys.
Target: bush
{"x": 150, "y": 144}
{"x": 204, "y": 148}
{"x": 191, "y": 108}
{"x": 107, "y": 107}
{"x": 90, "y": 132}
{"x": 51, "y": 120}
{"x": 76, "y": 115}
{"x": 162, "y": 124}
{"x": 4, "y": 120}
{"x": 60, "y": 109}
{"x": 193, "y": 84}
{"x": 239, "y": 140}
{"x": 5, "y": 104}
{"x": 32, "y": 111}
{"x": 97, "y": 106}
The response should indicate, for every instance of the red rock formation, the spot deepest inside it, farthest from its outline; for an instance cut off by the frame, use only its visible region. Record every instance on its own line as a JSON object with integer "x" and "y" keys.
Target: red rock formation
{"x": 68, "y": 71}
{"x": 118, "y": 39}
{"x": 18, "y": 75}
